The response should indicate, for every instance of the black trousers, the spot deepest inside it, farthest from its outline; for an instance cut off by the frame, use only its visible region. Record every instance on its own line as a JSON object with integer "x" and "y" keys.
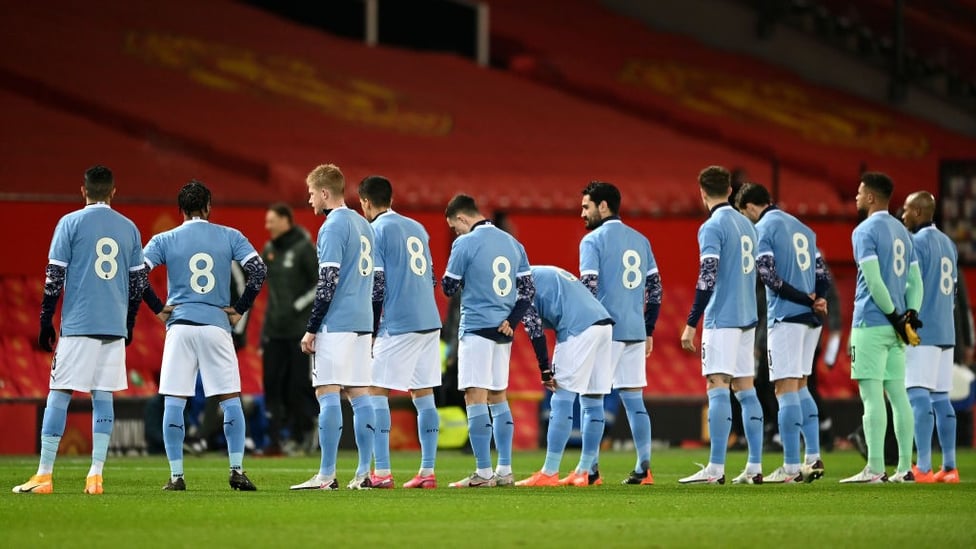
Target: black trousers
{"x": 288, "y": 394}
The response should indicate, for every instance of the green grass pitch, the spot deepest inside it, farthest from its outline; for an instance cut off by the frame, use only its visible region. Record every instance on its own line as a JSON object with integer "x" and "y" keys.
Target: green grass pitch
{"x": 134, "y": 512}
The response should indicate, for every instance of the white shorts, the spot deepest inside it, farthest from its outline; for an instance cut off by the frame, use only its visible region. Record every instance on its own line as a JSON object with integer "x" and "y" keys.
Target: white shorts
{"x": 629, "y": 361}
{"x": 929, "y": 367}
{"x": 407, "y": 361}
{"x": 582, "y": 364}
{"x": 729, "y": 351}
{"x": 190, "y": 349}
{"x": 88, "y": 364}
{"x": 791, "y": 348}
{"x": 342, "y": 358}
{"x": 483, "y": 363}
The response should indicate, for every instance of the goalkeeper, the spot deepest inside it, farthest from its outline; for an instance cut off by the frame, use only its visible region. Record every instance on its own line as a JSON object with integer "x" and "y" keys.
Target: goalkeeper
{"x": 888, "y": 295}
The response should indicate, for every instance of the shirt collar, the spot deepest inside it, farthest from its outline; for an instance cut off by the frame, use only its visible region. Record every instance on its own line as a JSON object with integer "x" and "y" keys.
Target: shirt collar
{"x": 717, "y": 207}
{"x": 769, "y": 208}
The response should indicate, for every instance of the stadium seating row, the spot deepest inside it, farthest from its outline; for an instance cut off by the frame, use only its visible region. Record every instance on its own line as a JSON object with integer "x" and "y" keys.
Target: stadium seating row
{"x": 820, "y": 137}
{"x": 199, "y": 100}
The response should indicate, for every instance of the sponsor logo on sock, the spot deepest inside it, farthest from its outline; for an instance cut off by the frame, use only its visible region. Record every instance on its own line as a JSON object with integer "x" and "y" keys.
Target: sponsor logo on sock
{"x": 175, "y": 426}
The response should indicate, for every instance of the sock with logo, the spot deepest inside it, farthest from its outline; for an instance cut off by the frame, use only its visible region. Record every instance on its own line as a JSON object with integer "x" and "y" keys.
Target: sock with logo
{"x": 560, "y": 426}
{"x": 52, "y": 428}
{"x": 789, "y": 417}
{"x": 479, "y": 433}
{"x": 640, "y": 427}
{"x": 381, "y": 441}
{"x": 752, "y": 423}
{"x": 103, "y": 418}
{"x": 810, "y": 418}
{"x": 174, "y": 432}
{"x": 592, "y": 425}
{"x": 428, "y": 427}
{"x": 504, "y": 432}
{"x": 719, "y": 423}
{"x": 330, "y": 430}
{"x": 235, "y": 431}
{"x": 364, "y": 425}
{"x": 945, "y": 421}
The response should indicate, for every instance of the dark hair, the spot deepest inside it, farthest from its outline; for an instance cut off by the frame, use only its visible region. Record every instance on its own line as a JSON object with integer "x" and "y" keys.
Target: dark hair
{"x": 461, "y": 204}
{"x": 752, "y": 193}
{"x": 283, "y": 210}
{"x": 377, "y": 189}
{"x": 99, "y": 182}
{"x": 193, "y": 197}
{"x": 715, "y": 181}
{"x": 879, "y": 183}
{"x": 601, "y": 191}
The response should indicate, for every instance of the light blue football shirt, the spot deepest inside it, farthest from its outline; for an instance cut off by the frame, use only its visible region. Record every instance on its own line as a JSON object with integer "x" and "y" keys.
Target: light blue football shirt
{"x": 621, "y": 257}
{"x": 938, "y": 261}
{"x": 98, "y": 247}
{"x": 346, "y": 242}
{"x": 884, "y": 238}
{"x": 198, "y": 256}
{"x": 564, "y": 303}
{"x": 402, "y": 252}
{"x": 793, "y": 246}
{"x": 487, "y": 261}
{"x": 731, "y": 238}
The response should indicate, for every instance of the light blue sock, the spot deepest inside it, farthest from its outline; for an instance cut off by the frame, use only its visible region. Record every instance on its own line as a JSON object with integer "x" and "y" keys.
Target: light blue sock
{"x": 381, "y": 441}
{"x": 719, "y": 423}
{"x": 428, "y": 427}
{"x": 921, "y": 403}
{"x": 810, "y": 418}
{"x": 752, "y": 422}
{"x": 364, "y": 425}
{"x": 945, "y": 421}
{"x": 479, "y": 433}
{"x": 504, "y": 431}
{"x": 640, "y": 427}
{"x": 560, "y": 425}
{"x": 330, "y": 429}
{"x": 789, "y": 417}
{"x": 591, "y": 428}
{"x": 174, "y": 431}
{"x": 234, "y": 431}
{"x": 103, "y": 418}
{"x": 52, "y": 428}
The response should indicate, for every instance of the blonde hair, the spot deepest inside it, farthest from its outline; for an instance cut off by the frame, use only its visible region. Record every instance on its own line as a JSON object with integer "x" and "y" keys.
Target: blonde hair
{"x": 329, "y": 177}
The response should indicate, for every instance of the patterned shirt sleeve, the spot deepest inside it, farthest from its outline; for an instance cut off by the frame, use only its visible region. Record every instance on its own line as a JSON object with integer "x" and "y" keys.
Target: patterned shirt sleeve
{"x": 766, "y": 264}
{"x": 707, "y": 275}
{"x": 324, "y": 292}
{"x": 525, "y": 286}
{"x": 255, "y": 272}
{"x": 54, "y": 276}
{"x": 591, "y": 281}
{"x": 653, "y": 295}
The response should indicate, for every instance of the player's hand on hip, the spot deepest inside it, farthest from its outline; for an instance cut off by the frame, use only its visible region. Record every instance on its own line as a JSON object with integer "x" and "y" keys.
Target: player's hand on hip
{"x": 650, "y": 346}
{"x": 164, "y": 315}
{"x": 232, "y": 315}
{"x": 505, "y": 328}
{"x": 548, "y": 381}
{"x": 308, "y": 343}
{"x": 688, "y": 339}
{"x": 46, "y": 337}
{"x": 820, "y": 306}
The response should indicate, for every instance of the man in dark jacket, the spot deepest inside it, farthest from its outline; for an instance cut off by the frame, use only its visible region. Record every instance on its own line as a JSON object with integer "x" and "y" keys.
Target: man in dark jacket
{"x": 292, "y": 275}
